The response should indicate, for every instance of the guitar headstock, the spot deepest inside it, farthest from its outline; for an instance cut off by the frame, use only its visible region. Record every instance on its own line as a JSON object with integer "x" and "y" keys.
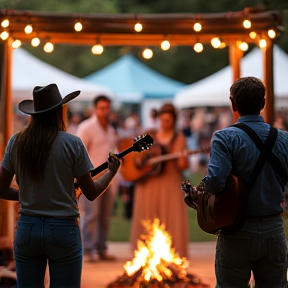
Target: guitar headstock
{"x": 142, "y": 143}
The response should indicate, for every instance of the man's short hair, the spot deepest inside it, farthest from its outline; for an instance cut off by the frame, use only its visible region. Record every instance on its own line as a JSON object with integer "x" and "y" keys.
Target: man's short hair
{"x": 248, "y": 94}
{"x": 101, "y": 98}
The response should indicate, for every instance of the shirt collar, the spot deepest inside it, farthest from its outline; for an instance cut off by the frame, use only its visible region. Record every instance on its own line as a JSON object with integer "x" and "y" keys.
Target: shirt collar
{"x": 250, "y": 118}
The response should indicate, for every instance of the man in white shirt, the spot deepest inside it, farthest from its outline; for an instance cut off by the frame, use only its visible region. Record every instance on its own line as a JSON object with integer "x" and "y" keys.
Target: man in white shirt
{"x": 99, "y": 138}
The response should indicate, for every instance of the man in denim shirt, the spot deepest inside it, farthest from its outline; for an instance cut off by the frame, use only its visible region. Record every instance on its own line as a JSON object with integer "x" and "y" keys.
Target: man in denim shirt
{"x": 260, "y": 246}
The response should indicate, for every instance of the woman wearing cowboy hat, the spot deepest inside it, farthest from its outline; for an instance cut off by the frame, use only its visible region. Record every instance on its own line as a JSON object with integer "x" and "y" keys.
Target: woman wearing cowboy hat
{"x": 46, "y": 160}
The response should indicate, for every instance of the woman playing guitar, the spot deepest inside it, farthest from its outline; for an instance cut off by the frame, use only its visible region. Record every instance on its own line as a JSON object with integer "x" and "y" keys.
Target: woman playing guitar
{"x": 159, "y": 196}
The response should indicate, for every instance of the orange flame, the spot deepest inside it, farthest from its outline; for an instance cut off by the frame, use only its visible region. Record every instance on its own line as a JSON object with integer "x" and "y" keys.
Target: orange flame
{"x": 155, "y": 256}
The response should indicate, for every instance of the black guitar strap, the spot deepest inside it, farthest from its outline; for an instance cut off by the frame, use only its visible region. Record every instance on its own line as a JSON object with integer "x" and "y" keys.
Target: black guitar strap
{"x": 266, "y": 154}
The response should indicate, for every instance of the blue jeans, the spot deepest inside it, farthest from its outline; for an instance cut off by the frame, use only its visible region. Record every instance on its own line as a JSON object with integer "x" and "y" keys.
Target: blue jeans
{"x": 42, "y": 240}
{"x": 259, "y": 247}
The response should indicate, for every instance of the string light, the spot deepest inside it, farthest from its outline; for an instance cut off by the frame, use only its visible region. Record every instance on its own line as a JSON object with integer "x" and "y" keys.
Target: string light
{"x": 16, "y": 44}
{"x": 271, "y": 33}
{"x": 28, "y": 29}
{"x": 243, "y": 46}
{"x": 78, "y": 26}
{"x": 198, "y": 47}
{"x": 262, "y": 43}
{"x": 4, "y": 35}
{"x": 222, "y": 45}
{"x": 247, "y": 24}
{"x": 197, "y": 27}
{"x": 147, "y": 53}
{"x": 138, "y": 27}
{"x": 48, "y": 47}
{"x": 5, "y": 23}
{"x": 97, "y": 49}
{"x": 215, "y": 42}
{"x": 165, "y": 45}
{"x": 253, "y": 35}
{"x": 35, "y": 42}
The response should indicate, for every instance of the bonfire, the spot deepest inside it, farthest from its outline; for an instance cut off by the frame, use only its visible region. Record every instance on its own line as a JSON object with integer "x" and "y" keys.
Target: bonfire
{"x": 156, "y": 263}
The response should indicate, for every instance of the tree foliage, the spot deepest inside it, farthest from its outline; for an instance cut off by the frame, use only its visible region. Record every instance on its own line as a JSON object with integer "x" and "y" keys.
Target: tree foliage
{"x": 180, "y": 63}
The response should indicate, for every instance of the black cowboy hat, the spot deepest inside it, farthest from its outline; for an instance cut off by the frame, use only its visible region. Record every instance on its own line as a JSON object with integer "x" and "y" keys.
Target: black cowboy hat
{"x": 44, "y": 99}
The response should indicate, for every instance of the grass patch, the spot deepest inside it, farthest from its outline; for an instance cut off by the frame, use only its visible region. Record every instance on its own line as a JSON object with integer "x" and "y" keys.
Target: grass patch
{"x": 120, "y": 226}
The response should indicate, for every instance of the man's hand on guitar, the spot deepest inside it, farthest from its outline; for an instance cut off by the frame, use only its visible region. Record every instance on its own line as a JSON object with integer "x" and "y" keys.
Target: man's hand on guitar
{"x": 113, "y": 162}
{"x": 191, "y": 194}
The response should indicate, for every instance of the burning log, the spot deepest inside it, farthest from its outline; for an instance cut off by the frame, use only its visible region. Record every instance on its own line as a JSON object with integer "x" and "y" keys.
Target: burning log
{"x": 156, "y": 264}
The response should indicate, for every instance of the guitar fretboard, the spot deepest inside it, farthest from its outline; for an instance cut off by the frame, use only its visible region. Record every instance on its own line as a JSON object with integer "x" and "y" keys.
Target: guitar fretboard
{"x": 175, "y": 155}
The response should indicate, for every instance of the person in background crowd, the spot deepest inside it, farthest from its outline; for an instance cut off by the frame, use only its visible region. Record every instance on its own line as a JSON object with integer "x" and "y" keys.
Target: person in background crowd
{"x": 260, "y": 246}
{"x": 159, "y": 196}
{"x": 99, "y": 137}
{"x": 153, "y": 121}
{"x": 46, "y": 160}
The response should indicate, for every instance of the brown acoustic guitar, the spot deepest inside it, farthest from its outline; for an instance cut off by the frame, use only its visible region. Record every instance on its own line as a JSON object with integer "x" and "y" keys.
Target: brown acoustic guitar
{"x": 136, "y": 168}
{"x": 225, "y": 212}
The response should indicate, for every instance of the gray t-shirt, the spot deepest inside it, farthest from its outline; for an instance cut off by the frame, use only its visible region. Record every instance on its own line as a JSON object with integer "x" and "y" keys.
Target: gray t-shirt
{"x": 55, "y": 194}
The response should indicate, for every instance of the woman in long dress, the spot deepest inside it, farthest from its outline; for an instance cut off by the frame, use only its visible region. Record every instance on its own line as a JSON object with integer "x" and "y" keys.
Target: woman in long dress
{"x": 159, "y": 196}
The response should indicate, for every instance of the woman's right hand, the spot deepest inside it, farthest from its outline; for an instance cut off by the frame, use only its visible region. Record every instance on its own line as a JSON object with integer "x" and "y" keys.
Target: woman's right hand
{"x": 113, "y": 162}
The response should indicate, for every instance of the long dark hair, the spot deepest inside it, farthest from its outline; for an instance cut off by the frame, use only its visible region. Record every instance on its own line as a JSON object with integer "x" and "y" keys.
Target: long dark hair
{"x": 35, "y": 142}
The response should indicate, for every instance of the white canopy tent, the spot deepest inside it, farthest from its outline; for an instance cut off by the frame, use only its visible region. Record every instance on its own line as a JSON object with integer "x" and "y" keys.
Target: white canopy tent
{"x": 213, "y": 90}
{"x": 29, "y": 71}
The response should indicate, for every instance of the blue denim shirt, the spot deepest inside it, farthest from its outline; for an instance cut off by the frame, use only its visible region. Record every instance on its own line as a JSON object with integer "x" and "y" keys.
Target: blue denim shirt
{"x": 232, "y": 151}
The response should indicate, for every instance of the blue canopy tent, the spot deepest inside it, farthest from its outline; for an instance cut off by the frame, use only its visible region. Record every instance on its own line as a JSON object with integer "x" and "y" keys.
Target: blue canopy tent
{"x": 134, "y": 82}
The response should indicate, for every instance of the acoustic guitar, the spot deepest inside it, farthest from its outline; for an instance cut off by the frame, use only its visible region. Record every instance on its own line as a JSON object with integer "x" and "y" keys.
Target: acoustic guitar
{"x": 225, "y": 212}
{"x": 139, "y": 144}
{"x": 148, "y": 163}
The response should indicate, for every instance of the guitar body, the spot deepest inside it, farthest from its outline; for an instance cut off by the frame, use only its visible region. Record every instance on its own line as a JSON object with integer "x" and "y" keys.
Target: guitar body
{"x": 135, "y": 167}
{"x": 225, "y": 212}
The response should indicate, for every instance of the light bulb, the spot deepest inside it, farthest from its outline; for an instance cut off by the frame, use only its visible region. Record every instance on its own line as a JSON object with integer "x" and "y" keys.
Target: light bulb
{"x": 253, "y": 35}
{"x": 35, "y": 42}
{"x": 197, "y": 27}
{"x": 78, "y": 26}
{"x": 138, "y": 27}
{"x": 147, "y": 53}
{"x": 271, "y": 33}
{"x": 215, "y": 42}
{"x": 222, "y": 45}
{"x": 4, "y": 35}
{"x": 244, "y": 46}
{"x": 97, "y": 49}
{"x": 16, "y": 44}
{"x": 28, "y": 29}
{"x": 198, "y": 47}
{"x": 262, "y": 43}
{"x": 247, "y": 24}
{"x": 165, "y": 45}
{"x": 5, "y": 23}
{"x": 48, "y": 47}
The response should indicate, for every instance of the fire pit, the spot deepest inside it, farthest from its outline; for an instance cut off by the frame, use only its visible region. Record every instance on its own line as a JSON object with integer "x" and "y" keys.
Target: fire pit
{"x": 156, "y": 264}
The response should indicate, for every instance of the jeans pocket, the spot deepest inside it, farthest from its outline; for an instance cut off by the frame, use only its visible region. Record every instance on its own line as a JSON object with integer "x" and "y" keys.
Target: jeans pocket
{"x": 22, "y": 234}
{"x": 64, "y": 236}
{"x": 277, "y": 249}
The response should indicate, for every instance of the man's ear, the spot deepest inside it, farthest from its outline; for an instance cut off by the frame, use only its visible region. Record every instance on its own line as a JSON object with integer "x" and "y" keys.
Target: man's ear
{"x": 233, "y": 105}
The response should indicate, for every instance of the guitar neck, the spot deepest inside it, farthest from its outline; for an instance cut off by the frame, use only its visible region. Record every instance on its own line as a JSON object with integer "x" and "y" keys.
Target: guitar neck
{"x": 104, "y": 165}
{"x": 171, "y": 156}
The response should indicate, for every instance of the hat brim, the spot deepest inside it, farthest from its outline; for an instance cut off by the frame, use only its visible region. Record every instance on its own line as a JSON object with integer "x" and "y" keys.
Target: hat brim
{"x": 27, "y": 106}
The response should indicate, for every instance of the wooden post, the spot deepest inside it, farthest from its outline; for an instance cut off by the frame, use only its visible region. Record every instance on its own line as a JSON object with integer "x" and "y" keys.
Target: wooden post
{"x": 235, "y": 55}
{"x": 8, "y": 222}
{"x": 268, "y": 111}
